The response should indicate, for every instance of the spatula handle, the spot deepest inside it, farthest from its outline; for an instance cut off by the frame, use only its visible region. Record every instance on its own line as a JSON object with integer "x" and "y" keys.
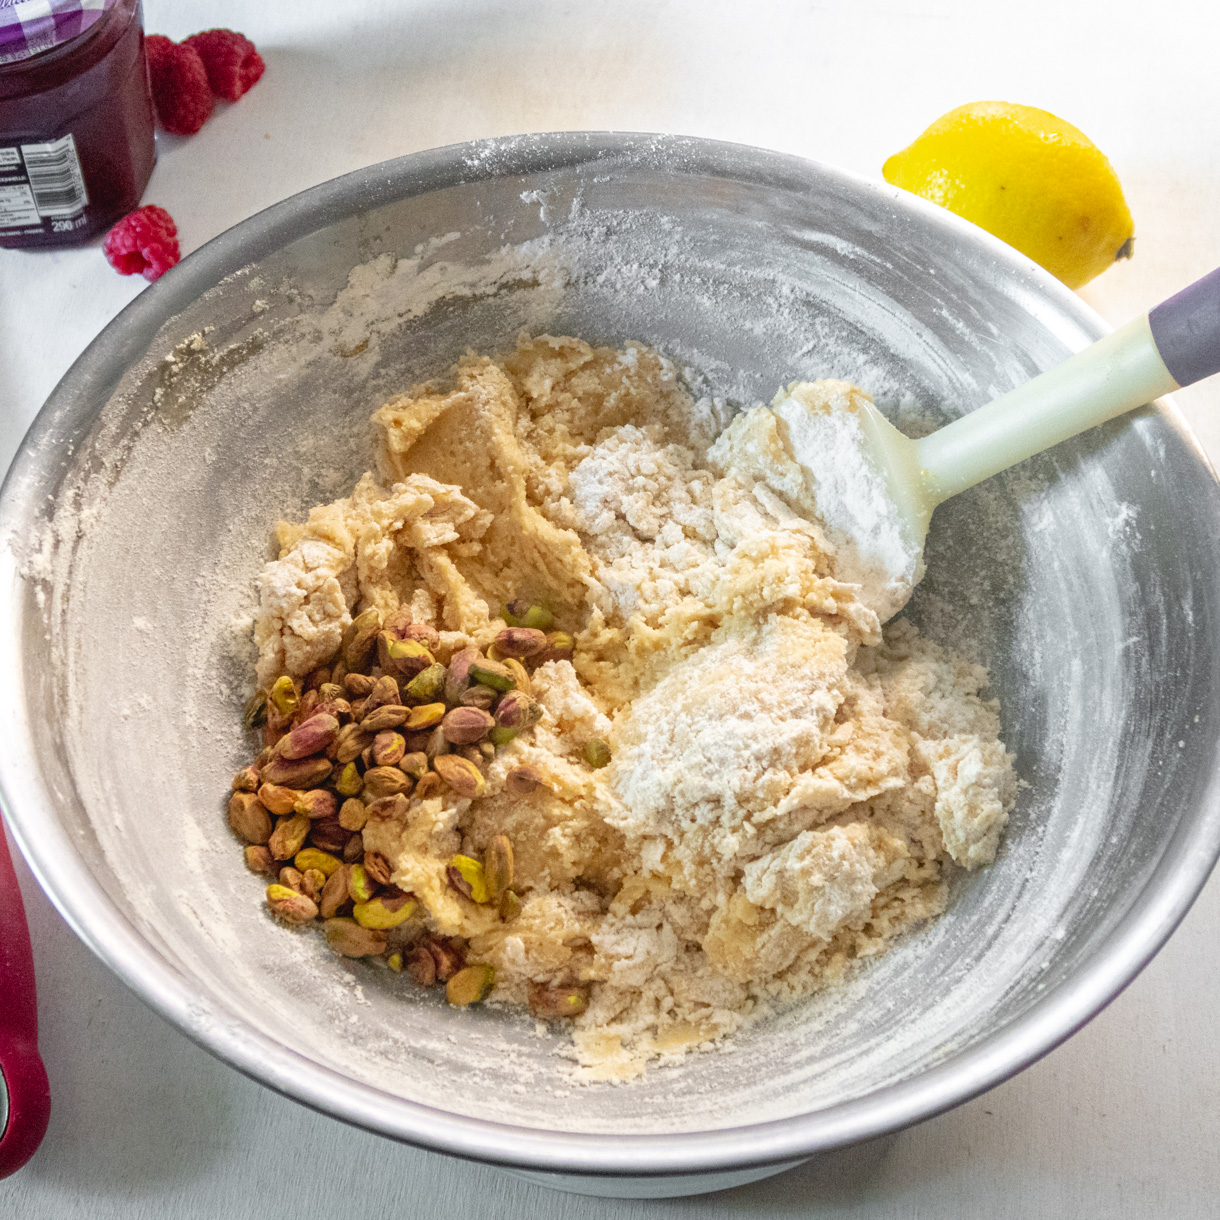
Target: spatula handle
{"x": 25, "y": 1077}
{"x": 1186, "y": 330}
{"x": 1175, "y": 345}
{"x": 1114, "y": 375}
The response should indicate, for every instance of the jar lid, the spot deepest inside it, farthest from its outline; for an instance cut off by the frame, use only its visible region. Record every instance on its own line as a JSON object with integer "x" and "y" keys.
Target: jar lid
{"x": 28, "y": 27}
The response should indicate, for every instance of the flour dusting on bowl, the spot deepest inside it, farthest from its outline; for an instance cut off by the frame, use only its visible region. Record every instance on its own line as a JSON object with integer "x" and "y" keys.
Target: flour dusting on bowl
{"x": 746, "y": 269}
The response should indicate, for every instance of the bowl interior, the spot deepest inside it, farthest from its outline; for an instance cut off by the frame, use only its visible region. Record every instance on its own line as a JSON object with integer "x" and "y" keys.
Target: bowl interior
{"x": 1086, "y": 579}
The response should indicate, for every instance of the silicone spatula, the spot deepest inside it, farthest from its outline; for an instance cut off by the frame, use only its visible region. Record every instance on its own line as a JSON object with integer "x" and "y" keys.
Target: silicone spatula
{"x": 23, "y": 1120}
{"x": 1175, "y": 345}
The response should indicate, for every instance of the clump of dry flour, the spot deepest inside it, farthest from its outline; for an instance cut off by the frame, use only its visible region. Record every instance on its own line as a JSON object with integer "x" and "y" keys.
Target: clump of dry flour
{"x": 788, "y": 788}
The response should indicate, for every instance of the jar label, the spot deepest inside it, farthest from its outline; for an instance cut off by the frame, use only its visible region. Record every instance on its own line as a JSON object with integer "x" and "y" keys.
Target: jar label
{"x": 42, "y": 189}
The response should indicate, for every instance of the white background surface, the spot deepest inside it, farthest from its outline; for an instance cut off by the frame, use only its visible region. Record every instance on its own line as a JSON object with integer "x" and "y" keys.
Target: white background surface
{"x": 1120, "y": 1122}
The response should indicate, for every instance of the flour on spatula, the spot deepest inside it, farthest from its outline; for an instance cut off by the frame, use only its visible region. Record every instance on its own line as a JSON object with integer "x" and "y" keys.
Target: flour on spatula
{"x": 809, "y": 447}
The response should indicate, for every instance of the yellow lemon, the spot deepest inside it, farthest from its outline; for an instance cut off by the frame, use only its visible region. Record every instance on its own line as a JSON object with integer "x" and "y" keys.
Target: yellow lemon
{"x": 1033, "y": 180}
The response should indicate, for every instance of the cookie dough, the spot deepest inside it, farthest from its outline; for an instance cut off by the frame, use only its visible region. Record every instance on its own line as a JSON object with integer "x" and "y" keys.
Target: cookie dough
{"x": 788, "y": 787}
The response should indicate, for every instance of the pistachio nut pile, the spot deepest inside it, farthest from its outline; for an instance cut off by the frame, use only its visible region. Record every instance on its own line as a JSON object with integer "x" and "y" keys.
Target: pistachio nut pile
{"x": 385, "y": 724}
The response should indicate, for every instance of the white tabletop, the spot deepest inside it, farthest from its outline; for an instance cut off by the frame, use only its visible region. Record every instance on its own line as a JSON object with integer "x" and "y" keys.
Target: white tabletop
{"x": 1119, "y": 1122}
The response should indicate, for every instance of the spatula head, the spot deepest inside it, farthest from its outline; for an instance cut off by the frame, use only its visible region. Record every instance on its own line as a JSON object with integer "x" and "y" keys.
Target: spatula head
{"x": 862, "y": 480}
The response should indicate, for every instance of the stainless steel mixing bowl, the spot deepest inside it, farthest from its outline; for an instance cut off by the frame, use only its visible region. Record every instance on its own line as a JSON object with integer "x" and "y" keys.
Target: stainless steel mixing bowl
{"x": 238, "y": 388}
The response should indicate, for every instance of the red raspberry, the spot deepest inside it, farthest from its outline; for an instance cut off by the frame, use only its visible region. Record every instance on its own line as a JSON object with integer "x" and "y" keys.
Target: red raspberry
{"x": 144, "y": 241}
{"x": 232, "y": 63}
{"x": 180, "y": 86}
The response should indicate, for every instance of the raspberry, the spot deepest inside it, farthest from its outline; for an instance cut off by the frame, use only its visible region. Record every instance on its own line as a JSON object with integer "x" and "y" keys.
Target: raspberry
{"x": 232, "y": 63}
{"x": 180, "y": 86}
{"x": 144, "y": 241}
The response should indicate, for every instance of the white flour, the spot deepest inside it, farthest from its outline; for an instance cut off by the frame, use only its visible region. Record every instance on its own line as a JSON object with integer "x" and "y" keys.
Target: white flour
{"x": 872, "y": 542}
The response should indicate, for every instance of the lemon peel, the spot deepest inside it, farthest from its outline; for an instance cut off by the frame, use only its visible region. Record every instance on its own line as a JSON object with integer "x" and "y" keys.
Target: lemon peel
{"x": 1026, "y": 176}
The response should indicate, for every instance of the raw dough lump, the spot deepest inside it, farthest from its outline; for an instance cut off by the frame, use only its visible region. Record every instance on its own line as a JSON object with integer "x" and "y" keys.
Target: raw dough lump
{"x": 789, "y": 786}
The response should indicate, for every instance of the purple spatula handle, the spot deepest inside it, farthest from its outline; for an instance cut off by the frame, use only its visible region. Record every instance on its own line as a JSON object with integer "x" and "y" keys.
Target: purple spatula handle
{"x": 1186, "y": 329}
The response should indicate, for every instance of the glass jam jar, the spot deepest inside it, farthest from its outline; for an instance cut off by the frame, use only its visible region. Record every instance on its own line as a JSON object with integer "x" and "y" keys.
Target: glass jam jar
{"x": 76, "y": 118}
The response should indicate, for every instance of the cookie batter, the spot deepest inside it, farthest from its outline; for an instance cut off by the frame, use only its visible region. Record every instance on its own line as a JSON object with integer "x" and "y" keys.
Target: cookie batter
{"x": 788, "y": 786}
